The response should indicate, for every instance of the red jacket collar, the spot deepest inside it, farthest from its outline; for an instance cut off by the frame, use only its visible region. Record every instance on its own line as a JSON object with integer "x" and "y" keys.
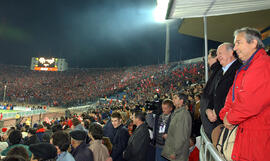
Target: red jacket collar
{"x": 259, "y": 53}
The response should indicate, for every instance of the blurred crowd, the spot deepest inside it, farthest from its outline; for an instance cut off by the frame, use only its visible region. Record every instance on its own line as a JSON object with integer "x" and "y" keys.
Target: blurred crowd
{"x": 80, "y": 86}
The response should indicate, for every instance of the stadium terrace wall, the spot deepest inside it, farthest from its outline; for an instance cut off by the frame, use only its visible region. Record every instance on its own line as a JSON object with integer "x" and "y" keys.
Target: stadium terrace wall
{"x": 35, "y": 118}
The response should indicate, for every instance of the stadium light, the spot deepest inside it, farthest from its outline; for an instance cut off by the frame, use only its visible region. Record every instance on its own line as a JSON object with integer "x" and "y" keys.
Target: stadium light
{"x": 161, "y": 10}
{"x": 160, "y": 13}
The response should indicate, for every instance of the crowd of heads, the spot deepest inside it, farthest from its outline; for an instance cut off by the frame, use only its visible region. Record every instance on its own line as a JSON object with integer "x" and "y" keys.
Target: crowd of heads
{"x": 81, "y": 86}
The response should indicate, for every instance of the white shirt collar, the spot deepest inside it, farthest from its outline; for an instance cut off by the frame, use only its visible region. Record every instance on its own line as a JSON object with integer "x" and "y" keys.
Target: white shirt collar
{"x": 227, "y": 66}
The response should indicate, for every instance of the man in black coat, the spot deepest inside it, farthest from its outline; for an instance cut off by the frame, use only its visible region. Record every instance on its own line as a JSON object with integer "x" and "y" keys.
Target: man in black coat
{"x": 80, "y": 151}
{"x": 139, "y": 141}
{"x": 120, "y": 138}
{"x": 207, "y": 96}
{"x": 224, "y": 81}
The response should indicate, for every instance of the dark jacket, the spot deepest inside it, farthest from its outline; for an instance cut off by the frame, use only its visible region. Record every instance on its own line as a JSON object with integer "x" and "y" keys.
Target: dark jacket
{"x": 40, "y": 133}
{"x": 138, "y": 144}
{"x": 222, "y": 87}
{"x": 31, "y": 140}
{"x": 82, "y": 153}
{"x": 119, "y": 142}
{"x": 108, "y": 130}
{"x": 153, "y": 122}
{"x": 207, "y": 98}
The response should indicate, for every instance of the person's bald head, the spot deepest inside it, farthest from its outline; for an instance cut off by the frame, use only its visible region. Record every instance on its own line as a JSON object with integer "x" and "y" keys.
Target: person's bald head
{"x": 225, "y": 53}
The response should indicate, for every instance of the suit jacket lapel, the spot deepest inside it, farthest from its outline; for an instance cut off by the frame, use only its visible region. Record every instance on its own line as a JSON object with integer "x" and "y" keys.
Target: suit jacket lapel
{"x": 219, "y": 78}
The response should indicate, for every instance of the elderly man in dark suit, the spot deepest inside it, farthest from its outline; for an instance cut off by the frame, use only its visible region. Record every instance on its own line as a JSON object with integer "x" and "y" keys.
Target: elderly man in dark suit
{"x": 224, "y": 81}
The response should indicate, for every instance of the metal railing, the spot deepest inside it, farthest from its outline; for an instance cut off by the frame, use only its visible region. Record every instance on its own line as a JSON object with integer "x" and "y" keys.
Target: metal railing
{"x": 207, "y": 150}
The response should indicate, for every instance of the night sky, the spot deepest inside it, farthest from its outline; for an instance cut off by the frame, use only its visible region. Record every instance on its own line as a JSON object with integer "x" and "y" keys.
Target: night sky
{"x": 90, "y": 33}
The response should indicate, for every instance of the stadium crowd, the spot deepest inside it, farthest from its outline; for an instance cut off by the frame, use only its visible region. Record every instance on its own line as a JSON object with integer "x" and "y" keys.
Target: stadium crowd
{"x": 72, "y": 87}
{"x": 160, "y": 114}
{"x": 75, "y": 86}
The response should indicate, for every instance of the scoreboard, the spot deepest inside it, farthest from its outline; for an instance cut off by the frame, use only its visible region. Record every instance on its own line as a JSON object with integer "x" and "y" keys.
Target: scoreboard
{"x": 48, "y": 64}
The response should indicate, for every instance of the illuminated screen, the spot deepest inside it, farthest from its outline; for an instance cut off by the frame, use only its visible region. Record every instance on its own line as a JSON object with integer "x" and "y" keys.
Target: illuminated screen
{"x": 45, "y": 64}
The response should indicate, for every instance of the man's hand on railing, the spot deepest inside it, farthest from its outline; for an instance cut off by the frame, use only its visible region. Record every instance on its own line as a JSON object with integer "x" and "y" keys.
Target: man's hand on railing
{"x": 226, "y": 123}
{"x": 212, "y": 117}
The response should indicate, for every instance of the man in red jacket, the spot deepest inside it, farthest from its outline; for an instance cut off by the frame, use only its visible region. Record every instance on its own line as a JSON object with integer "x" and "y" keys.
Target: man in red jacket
{"x": 248, "y": 101}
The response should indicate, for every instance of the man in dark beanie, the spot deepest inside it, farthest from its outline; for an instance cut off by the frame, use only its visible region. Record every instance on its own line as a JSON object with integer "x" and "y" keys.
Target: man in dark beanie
{"x": 80, "y": 151}
{"x": 43, "y": 152}
{"x": 15, "y": 139}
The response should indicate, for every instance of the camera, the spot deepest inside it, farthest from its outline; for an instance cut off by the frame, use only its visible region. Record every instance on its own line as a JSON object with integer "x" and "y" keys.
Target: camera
{"x": 154, "y": 106}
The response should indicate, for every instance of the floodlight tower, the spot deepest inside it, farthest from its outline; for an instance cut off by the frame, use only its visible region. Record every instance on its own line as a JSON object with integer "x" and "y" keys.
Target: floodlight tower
{"x": 160, "y": 15}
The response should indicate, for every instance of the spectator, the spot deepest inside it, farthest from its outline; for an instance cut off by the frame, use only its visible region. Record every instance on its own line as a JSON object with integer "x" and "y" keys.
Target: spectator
{"x": 15, "y": 139}
{"x": 78, "y": 126}
{"x": 177, "y": 140}
{"x": 106, "y": 141}
{"x": 120, "y": 138}
{"x": 46, "y": 138}
{"x": 207, "y": 96}
{"x": 56, "y": 128}
{"x": 139, "y": 141}
{"x": 109, "y": 130}
{"x": 61, "y": 141}
{"x": 99, "y": 150}
{"x": 224, "y": 81}
{"x": 248, "y": 102}
{"x": 160, "y": 125}
{"x": 80, "y": 150}
{"x": 40, "y": 132}
{"x": 43, "y": 152}
{"x": 193, "y": 150}
{"x": 31, "y": 137}
{"x": 197, "y": 113}
{"x": 19, "y": 151}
